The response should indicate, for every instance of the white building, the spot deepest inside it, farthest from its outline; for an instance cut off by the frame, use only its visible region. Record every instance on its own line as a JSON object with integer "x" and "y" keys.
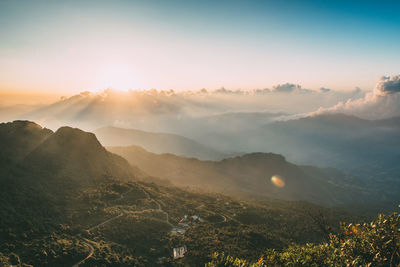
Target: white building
{"x": 179, "y": 252}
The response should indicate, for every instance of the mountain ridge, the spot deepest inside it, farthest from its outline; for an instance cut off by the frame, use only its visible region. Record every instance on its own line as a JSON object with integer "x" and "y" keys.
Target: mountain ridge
{"x": 19, "y": 138}
{"x": 248, "y": 175}
{"x": 71, "y": 150}
{"x": 156, "y": 142}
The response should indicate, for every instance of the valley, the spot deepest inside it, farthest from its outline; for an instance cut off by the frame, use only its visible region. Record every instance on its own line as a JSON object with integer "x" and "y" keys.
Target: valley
{"x": 88, "y": 216}
{"x": 170, "y": 133}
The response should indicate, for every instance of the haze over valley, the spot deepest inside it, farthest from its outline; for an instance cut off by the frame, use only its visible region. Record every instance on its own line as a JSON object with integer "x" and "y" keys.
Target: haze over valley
{"x": 199, "y": 133}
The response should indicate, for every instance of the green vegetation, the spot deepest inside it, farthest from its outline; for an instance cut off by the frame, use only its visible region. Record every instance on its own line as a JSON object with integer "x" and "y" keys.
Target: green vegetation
{"x": 368, "y": 244}
{"x": 56, "y": 209}
{"x": 138, "y": 233}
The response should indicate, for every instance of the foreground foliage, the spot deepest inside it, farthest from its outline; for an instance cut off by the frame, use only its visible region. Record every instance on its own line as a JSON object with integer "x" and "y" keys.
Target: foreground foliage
{"x": 369, "y": 244}
{"x": 138, "y": 234}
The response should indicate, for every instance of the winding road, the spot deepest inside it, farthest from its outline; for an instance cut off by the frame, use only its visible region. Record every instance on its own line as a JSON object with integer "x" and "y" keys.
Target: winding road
{"x": 91, "y": 248}
{"x": 91, "y": 252}
{"x": 103, "y": 223}
{"x": 224, "y": 217}
{"x": 159, "y": 208}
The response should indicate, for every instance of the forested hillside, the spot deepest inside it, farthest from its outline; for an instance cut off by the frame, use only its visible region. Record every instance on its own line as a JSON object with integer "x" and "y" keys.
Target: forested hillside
{"x": 68, "y": 212}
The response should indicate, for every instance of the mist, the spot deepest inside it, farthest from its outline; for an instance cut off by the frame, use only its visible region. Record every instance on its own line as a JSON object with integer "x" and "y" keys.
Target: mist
{"x": 199, "y": 133}
{"x": 156, "y": 110}
{"x": 323, "y": 127}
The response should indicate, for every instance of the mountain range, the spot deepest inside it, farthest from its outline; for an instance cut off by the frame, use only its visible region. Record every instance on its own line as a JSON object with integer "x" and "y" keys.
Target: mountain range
{"x": 250, "y": 175}
{"x": 66, "y": 200}
{"x": 365, "y": 148}
{"x": 156, "y": 142}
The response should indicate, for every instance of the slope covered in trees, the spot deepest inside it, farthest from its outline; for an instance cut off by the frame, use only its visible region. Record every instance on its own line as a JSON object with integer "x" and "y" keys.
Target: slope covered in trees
{"x": 62, "y": 213}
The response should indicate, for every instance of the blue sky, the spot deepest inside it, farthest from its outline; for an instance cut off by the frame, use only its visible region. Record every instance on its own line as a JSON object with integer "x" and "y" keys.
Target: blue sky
{"x": 70, "y": 46}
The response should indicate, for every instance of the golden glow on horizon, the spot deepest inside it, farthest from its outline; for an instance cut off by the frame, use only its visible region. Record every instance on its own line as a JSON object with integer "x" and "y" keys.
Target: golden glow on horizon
{"x": 277, "y": 181}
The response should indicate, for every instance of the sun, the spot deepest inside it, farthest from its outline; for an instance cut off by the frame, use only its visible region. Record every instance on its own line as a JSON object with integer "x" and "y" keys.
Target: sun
{"x": 120, "y": 77}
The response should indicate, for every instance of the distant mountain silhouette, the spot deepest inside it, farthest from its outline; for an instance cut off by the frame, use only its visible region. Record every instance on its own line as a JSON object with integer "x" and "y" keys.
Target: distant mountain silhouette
{"x": 340, "y": 140}
{"x": 156, "y": 142}
{"x": 334, "y": 140}
{"x": 368, "y": 149}
{"x": 248, "y": 175}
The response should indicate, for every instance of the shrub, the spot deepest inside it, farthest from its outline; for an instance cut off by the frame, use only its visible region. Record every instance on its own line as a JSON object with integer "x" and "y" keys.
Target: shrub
{"x": 369, "y": 244}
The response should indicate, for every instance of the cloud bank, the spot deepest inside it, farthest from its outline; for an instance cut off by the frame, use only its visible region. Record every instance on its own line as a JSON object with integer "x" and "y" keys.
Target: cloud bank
{"x": 155, "y": 110}
{"x": 290, "y": 87}
{"x": 382, "y": 102}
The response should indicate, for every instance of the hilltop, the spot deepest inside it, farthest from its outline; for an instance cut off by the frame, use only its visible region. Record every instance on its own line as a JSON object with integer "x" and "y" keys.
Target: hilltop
{"x": 18, "y": 138}
{"x": 71, "y": 151}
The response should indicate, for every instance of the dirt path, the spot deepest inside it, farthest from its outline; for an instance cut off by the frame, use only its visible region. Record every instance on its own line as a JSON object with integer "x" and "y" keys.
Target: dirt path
{"x": 107, "y": 221}
{"x": 159, "y": 208}
{"x": 98, "y": 225}
{"x": 224, "y": 216}
{"x": 87, "y": 257}
{"x": 224, "y": 220}
{"x": 118, "y": 216}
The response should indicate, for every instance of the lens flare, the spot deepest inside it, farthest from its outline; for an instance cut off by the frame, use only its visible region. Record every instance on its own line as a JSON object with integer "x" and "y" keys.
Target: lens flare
{"x": 277, "y": 181}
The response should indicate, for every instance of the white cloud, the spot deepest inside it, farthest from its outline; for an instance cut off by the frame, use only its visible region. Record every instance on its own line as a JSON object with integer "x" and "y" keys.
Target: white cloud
{"x": 289, "y": 88}
{"x": 388, "y": 85}
{"x": 382, "y": 102}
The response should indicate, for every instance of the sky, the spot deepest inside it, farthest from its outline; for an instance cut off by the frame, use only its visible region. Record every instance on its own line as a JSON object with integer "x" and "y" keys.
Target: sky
{"x": 66, "y": 47}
